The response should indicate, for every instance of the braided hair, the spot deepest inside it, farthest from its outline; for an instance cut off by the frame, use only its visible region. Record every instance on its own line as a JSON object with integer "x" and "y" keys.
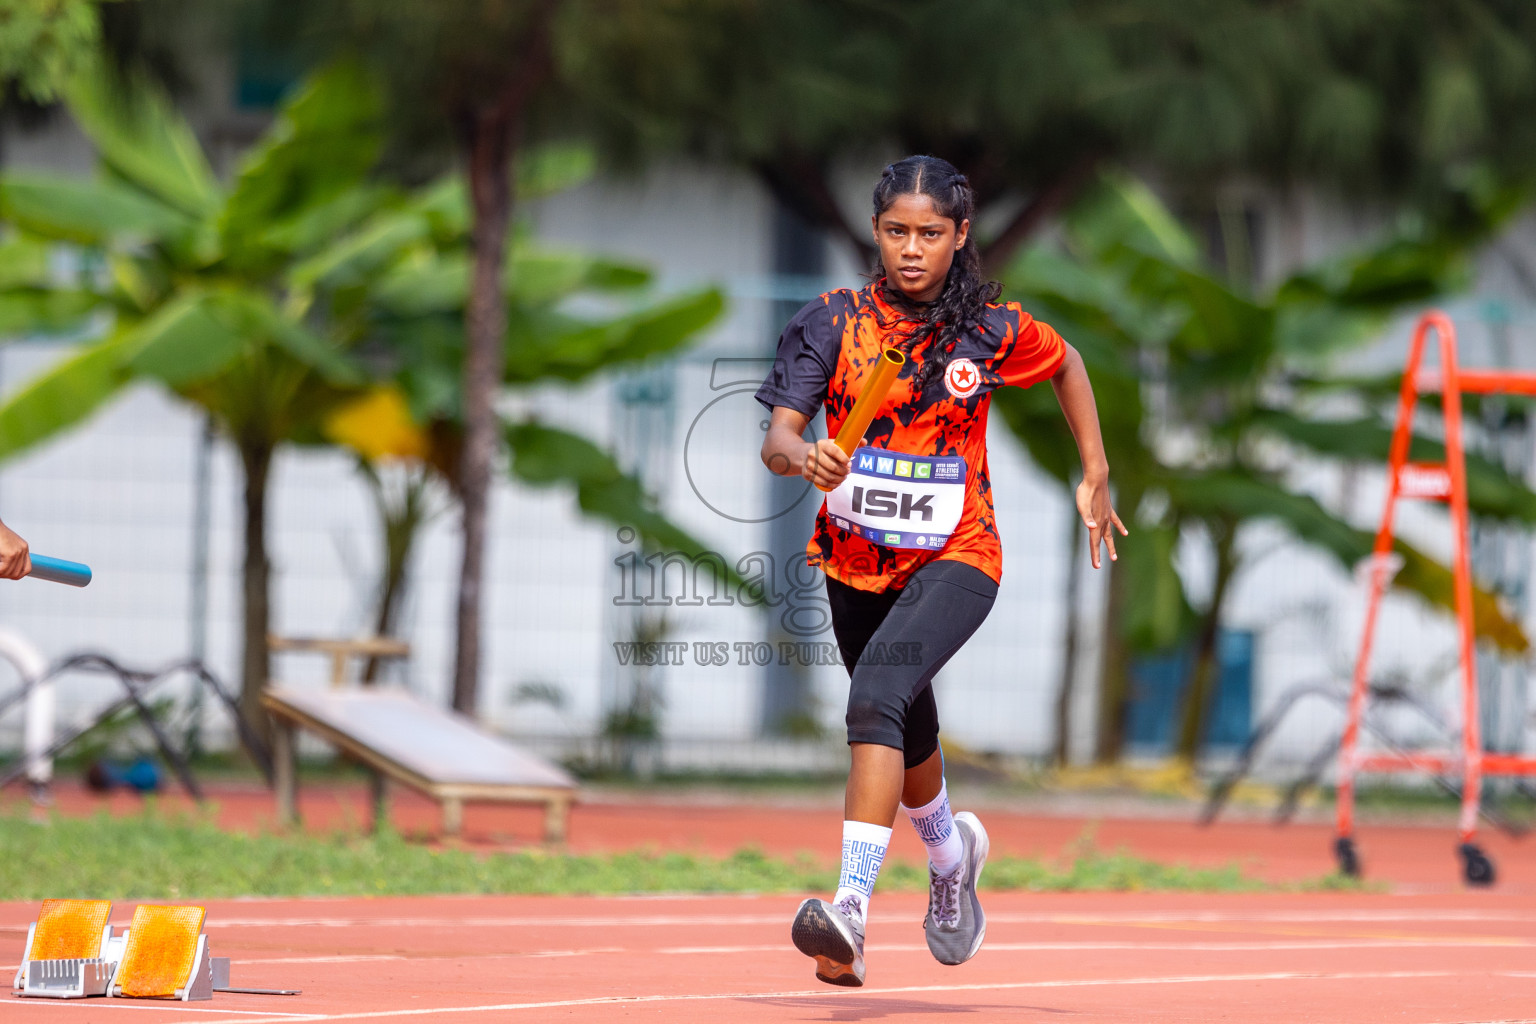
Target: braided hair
{"x": 967, "y": 291}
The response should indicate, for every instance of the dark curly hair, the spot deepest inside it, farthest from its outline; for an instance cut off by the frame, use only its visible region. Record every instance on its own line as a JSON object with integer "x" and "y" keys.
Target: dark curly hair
{"x": 967, "y": 291}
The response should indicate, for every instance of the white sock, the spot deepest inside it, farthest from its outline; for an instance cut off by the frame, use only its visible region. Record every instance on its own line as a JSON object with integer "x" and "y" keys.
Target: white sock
{"x": 935, "y": 826}
{"x": 864, "y": 848}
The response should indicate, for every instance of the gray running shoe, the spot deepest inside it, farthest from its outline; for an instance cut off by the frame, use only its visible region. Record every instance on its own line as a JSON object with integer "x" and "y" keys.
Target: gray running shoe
{"x": 834, "y": 935}
{"x": 955, "y": 924}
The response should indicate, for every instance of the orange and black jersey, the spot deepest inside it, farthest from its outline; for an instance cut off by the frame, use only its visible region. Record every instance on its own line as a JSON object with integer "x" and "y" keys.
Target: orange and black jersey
{"x": 824, "y": 355}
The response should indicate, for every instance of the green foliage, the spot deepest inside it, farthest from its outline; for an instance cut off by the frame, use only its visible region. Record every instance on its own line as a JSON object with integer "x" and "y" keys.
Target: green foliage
{"x": 1158, "y": 614}
{"x": 320, "y": 150}
{"x": 63, "y": 396}
{"x": 178, "y": 307}
{"x": 1206, "y": 388}
{"x": 544, "y": 455}
{"x": 447, "y": 63}
{"x": 43, "y": 41}
{"x": 556, "y": 347}
{"x": 301, "y": 266}
{"x": 140, "y": 137}
{"x": 152, "y": 856}
{"x": 1491, "y": 491}
{"x": 1392, "y": 99}
{"x": 1233, "y": 368}
{"x": 303, "y": 286}
{"x": 86, "y": 212}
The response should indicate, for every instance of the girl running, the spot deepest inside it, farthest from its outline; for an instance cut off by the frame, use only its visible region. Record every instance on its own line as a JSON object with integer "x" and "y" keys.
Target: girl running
{"x": 907, "y": 536}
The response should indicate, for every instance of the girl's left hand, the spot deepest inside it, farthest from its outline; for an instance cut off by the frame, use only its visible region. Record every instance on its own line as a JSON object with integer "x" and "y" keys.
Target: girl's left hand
{"x": 1093, "y": 505}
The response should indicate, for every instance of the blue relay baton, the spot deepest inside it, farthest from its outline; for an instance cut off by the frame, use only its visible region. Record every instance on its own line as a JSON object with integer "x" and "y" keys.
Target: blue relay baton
{"x": 57, "y": 570}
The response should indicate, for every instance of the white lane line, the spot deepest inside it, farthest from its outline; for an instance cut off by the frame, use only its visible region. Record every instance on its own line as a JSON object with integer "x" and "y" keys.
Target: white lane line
{"x": 683, "y": 920}
{"x": 164, "y": 1005}
{"x": 823, "y": 993}
{"x": 361, "y": 958}
{"x": 992, "y": 947}
{"x": 342, "y": 959}
{"x": 347, "y": 958}
{"x": 1149, "y": 947}
{"x": 1262, "y": 916}
{"x": 1477, "y": 942}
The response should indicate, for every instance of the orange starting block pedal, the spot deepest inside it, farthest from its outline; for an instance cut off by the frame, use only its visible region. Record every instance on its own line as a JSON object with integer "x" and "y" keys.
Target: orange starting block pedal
{"x": 166, "y": 956}
{"x": 70, "y": 952}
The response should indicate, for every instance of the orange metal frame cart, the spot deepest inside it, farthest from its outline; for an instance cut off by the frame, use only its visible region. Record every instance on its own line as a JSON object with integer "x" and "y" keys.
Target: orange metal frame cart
{"x": 1445, "y": 482}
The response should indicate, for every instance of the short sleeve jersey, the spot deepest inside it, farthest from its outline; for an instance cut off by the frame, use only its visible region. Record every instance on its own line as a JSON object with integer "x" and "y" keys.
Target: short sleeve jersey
{"x": 824, "y": 355}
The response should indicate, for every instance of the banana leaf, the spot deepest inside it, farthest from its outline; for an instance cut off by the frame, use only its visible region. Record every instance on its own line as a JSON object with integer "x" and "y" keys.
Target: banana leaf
{"x": 539, "y": 347}
{"x": 1157, "y": 611}
{"x": 427, "y": 283}
{"x": 316, "y": 224}
{"x": 353, "y": 259}
{"x": 49, "y": 311}
{"x": 63, "y": 395}
{"x": 1123, "y": 214}
{"x": 253, "y": 314}
{"x": 140, "y": 136}
{"x": 550, "y": 168}
{"x": 1491, "y": 490}
{"x": 185, "y": 341}
{"x": 86, "y": 212}
{"x": 1251, "y": 498}
{"x": 324, "y": 141}
{"x": 24, "y": 263}
{"x": 547, "y": 456}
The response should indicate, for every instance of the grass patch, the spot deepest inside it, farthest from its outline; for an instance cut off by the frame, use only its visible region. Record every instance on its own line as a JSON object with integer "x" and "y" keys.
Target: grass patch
{"x": 155, "y": 856}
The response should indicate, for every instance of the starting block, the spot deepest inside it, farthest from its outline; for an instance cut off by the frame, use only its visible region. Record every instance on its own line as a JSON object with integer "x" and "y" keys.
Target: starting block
{"x": 71, "y": 953}
{"x": 166, "y": 956}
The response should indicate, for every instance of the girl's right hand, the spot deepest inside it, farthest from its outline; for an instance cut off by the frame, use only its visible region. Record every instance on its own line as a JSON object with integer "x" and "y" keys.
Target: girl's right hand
{"x": 15, "y": 557}
{"x": 826, "y": 465}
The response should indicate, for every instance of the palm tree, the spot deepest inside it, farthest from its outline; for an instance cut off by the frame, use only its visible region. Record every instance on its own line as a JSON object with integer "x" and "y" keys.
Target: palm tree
{"x": 1204, "y": 389}
{"x": 42, "y": 44}
{"x": 297, "y": 289}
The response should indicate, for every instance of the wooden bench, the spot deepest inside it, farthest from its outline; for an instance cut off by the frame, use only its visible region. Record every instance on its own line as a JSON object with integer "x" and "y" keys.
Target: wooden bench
{"x": 445, "y": 756}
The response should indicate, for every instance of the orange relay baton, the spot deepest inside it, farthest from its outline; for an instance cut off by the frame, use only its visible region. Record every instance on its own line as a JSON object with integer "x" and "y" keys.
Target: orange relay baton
{"x": 876, "y": 386}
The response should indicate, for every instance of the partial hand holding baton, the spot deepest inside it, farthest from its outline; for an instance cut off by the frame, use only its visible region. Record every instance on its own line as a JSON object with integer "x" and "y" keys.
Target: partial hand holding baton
{"x": 57, "y": 570}
{"x": 876, "y": 386}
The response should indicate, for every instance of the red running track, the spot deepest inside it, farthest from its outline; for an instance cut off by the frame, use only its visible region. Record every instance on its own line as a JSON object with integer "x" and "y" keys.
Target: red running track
{"x": 1358, "y": 957}
{"x": 1425, "y": 952}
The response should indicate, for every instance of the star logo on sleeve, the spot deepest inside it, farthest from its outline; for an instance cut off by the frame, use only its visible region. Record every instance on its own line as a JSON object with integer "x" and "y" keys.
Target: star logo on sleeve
{"x": 962, "y": 378}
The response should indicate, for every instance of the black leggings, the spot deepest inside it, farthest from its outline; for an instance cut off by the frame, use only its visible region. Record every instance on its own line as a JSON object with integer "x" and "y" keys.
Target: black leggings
{"x": 894, "y": 642}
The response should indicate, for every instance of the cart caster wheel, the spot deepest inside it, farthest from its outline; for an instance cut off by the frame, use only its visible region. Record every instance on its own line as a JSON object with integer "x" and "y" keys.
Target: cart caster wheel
{"x": 1478, "y": 869}
{"x": 1344, "y": 853}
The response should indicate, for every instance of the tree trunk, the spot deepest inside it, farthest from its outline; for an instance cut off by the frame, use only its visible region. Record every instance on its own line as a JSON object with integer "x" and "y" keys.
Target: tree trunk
{"x": 1052, "y": 197}
{"x": 800, "y": 184}
{"x": 1115, "y": 665}
{"x": 1114, "y": 675}
{"x": 400, "y": 527}
{"x": 490, "y": 186}
{"x": 1199, "y": 695}
{"x": 255, "y": 666}
{"x": 1060, "y": 751}
{"x": 489, "y": 134}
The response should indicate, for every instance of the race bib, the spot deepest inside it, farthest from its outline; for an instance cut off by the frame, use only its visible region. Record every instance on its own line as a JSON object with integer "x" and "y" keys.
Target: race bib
{"x": 899, "y": 500}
